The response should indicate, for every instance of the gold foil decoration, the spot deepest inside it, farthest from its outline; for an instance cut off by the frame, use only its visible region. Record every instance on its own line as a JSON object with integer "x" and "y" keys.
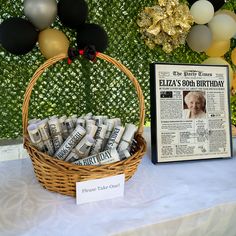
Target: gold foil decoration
{"x": 166, "y": 24}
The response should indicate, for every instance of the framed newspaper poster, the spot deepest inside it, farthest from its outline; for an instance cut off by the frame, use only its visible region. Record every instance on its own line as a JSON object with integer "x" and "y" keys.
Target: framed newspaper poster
{"x": 190, "y": 112}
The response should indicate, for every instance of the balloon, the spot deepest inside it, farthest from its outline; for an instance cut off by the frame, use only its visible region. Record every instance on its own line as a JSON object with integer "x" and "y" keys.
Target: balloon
{"x": 220, "y": 61}
{"x": 52, "y": 42}
{"x": 222, "y": 26}
{"x": 233, "y": 86}
{"x": 229, "y": 13}
{"x": 217, "y": 4}
{"x": 202, "y": 11}
{"x": 92, "y": 34}
{"x": 72, "y": 13}
{"x": 226, "y": 12}
{"x": 218, "y": 48}
{"x": 199, "y": 38}
{"x": 17, "y": 35}
{"x": 233, "y": 56}
{"x": 41, "y": 13}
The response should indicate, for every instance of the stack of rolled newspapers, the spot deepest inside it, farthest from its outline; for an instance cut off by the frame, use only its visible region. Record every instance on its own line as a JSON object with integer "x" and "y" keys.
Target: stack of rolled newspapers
{"x": 84, "y": 140}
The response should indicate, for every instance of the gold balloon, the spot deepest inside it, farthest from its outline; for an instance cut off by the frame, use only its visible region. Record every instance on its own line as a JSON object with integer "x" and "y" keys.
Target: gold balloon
{"x": 233, "y": 56}
{"x": 218, "y": 48}
{"x": 220, "y": 61}
{"x": 52, "y": 42}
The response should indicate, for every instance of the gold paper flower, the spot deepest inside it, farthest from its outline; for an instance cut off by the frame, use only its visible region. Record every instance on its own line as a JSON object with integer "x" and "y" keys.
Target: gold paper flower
{"x": 166, "y": 24}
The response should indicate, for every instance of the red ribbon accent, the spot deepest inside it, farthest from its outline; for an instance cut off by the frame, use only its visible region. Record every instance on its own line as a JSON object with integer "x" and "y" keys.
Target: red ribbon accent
{"x": 81, "y": 52}
{"x": 69, "y": 61}
{"x": 88, "y": 53}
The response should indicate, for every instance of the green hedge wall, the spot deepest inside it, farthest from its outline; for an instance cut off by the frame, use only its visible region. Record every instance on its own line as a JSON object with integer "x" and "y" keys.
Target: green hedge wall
{"x": 82, "y": 86}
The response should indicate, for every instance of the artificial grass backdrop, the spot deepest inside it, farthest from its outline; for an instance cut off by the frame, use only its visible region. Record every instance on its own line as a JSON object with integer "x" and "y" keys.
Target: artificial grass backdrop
{"x": 82, "y": 86}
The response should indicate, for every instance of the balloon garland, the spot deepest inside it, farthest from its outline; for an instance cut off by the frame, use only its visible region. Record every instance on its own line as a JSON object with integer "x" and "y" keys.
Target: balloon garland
{"x": 204, "y": 28}
{"x": 221, "y": 27}
{"x": 212, "y": 32}
{"x": 18, "y": 36}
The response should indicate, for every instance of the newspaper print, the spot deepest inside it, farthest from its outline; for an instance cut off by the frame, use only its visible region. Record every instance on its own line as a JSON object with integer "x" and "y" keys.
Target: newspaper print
{"x": 192, "y": 112}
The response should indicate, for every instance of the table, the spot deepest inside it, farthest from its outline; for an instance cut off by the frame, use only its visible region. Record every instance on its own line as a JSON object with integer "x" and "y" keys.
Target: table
{"x": 196, "y": 198}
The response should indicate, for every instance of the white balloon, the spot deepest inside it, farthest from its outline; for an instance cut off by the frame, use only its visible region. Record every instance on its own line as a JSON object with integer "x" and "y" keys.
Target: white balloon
{"x": 199, "y": 38}
{"x": 229, "y": 13}
{"x": 41, "y": 13}
{"x": 202, "y": 11}
{"x": 223, "y": 27}
{"x": 226, "y": 12}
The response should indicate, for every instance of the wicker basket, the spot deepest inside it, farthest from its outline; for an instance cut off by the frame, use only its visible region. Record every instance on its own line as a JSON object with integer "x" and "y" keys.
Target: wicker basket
{"x": 60, "y": 176}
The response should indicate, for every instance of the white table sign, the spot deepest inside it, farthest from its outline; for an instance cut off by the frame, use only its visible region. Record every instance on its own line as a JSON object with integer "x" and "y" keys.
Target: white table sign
{"x": 100, "y": 189}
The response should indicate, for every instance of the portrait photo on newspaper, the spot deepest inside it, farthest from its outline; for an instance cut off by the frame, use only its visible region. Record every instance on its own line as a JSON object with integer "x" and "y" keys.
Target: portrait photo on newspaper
{"x": 190, "y": 112}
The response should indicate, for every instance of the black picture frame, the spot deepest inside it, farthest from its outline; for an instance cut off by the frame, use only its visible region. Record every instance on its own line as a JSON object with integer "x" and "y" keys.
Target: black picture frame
{"x": 161, "y": 91}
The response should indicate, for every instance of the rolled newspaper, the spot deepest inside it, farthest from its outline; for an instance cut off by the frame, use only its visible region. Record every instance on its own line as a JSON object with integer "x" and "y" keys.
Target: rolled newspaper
{"x": 89, "y": 122}
{"x": 115, "y": 137}
{"x": 74, "y": 120}
{"x": 127, "y": 137}
{"x": 70, "y": 125}
{"x": 98, "y": 120}
{"x": 104, "y": 119}
{"x": 88, "y": 116}
{"x": 81, "y": 150}
{"x": 81, "y": 122}
{"x": 64, "y": 130}
{"x": 124, "y": 154}
{"x": 106, "y": 157}
{"x": 117, "y": 122}
{"x": 33, "y": 121}
{"x": 35, "y": 137}
{"x": 110, "y": 125}
{"x": 52, "y": 117}
{"x": 91, "y": 129}
{"x": 56, "y": 133}
{"x": 99, "y": 137}
{"x": 45, "y": 134}
{"x": 70, "y": 143}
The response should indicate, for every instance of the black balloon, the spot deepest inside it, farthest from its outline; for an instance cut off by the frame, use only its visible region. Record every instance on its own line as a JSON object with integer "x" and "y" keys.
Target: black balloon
{"x": 72, "y": 13}
{"x": 92, "y": 34}
{"x": 17, "y": 35}
{"x": 217, "y": 4}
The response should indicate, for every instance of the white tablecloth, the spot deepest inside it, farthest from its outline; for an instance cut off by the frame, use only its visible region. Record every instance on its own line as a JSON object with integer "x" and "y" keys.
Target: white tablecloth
{"x": 196, "y": 198}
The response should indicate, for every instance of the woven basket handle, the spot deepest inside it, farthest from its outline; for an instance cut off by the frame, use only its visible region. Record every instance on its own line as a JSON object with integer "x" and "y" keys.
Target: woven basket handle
{"x": 53, "y": 60}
